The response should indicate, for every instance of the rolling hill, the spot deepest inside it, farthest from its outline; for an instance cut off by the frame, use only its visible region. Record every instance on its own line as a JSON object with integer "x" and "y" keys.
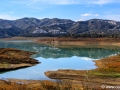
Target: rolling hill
{"x": 55, "y": 27}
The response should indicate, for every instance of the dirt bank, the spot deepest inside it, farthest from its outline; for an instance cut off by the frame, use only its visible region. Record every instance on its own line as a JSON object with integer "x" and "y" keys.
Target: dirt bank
{"x": 108, "y": 72}
{"x": 70, "y": 41}
{"x": 78, "y": 41}
{"x": 13, "y": 59}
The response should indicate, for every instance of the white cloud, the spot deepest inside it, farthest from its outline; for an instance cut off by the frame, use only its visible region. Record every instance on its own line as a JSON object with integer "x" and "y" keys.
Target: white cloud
{"x": 55, "y": 2}
{"x": 63, "y": 2}
{"x": 8, "y": 17}
{"x": 98, "y": 2}
{"x": 80, "y": 20}
{"x": 112, "y": 17}
{"x": 96, "y": 15}
{"x": 87, "y": 15}
{"x": 86, "y": 59}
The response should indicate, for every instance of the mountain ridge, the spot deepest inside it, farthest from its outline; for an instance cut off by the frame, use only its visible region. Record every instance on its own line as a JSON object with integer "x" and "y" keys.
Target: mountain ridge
{"x": 56, "y": 27}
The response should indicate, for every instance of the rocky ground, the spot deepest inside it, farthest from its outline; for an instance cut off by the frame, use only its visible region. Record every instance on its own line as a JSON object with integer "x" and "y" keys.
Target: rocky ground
{"x": 13, "y": 59}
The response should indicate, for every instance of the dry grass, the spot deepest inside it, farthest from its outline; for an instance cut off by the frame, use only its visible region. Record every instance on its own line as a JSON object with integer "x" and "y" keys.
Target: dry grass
{"x": 13, "y": 58}
{"x": 108, "y": 72}
{"x": 78, "y": 41}
{"x": 109, "y": 64}
{"x": 45, "y": 85}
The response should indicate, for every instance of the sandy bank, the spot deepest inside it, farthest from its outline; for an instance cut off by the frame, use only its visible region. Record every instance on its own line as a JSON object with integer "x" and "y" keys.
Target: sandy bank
{"x": 108, "y": 72}
{"x": 14, "y": 59}
{"x": 78, "y": 41}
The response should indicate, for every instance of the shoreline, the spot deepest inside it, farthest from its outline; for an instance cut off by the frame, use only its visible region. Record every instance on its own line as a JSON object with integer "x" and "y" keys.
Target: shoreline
{"x": 12, "y": 59}
{"x": 107, "y": 70}
{"x": 78, "y": 41}
{"x": 63, "y": 41}
{"x": 95, "y": 77}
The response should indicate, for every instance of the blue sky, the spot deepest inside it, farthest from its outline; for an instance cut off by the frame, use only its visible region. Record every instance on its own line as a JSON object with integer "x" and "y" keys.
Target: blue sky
{"x": 64, "y": 9}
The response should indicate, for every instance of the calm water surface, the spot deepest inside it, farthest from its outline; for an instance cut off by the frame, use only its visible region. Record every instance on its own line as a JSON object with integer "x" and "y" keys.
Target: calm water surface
{"x": 53, "y": 58}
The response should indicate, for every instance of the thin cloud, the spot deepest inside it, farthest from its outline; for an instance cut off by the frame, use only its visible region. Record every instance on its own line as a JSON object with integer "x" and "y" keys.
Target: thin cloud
{"x": 33, "y": 2}
{"x": 98, "y": 2}
{"x": 112, "y": 17}
{"x": 87, "y": 15}
{"x": 96, "y": 14}
{"x": 8, "y": 17}
{"x": 55, "y": 2}
{"x": 64, "y": 2}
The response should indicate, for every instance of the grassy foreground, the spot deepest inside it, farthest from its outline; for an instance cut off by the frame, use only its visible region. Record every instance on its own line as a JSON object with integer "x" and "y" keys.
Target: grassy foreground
{"x": 14, "y": 84}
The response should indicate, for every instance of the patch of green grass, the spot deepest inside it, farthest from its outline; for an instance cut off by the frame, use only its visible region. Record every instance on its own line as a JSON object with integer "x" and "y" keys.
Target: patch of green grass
{"x": 4, "y": 65}
{"x": 106, "y": 74}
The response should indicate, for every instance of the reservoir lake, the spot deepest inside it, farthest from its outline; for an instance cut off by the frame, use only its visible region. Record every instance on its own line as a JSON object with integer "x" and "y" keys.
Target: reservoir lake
{"x": 53, "y": 58}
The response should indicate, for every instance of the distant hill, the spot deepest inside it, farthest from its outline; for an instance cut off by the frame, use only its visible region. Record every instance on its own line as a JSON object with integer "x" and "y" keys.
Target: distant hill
{"x": 59, "y": 27}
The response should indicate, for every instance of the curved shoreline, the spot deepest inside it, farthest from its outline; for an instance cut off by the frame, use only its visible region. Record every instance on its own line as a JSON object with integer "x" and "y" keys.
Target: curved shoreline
{"x": 11, "y": 59}
{"x": 97, "y": 76}
{"x": 108, "y": 70}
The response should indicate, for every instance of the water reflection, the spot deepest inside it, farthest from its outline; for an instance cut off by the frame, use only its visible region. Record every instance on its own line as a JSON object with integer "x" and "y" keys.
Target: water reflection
{"x": 53, "y": 58}
{"x": 53, "y": 52}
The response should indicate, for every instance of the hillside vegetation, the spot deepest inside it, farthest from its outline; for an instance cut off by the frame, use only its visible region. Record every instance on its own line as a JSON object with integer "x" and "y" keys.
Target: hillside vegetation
{"x": 32, "y": 27}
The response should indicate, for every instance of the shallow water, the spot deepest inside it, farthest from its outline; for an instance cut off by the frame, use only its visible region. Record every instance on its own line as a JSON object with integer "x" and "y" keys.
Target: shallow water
{"x": 53, "y": 58}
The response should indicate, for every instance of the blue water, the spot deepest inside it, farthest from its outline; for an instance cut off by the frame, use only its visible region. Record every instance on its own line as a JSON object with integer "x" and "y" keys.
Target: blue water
{"x": 53, "y": 58}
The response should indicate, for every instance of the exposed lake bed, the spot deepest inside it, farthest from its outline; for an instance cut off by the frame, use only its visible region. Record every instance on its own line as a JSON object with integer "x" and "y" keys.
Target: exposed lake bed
{"x": 11, "y": 59}
{"x": 67, "y": 59}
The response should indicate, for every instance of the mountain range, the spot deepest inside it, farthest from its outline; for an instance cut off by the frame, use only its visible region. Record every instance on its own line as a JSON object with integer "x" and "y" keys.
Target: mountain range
{"x": 55, "y": 27}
